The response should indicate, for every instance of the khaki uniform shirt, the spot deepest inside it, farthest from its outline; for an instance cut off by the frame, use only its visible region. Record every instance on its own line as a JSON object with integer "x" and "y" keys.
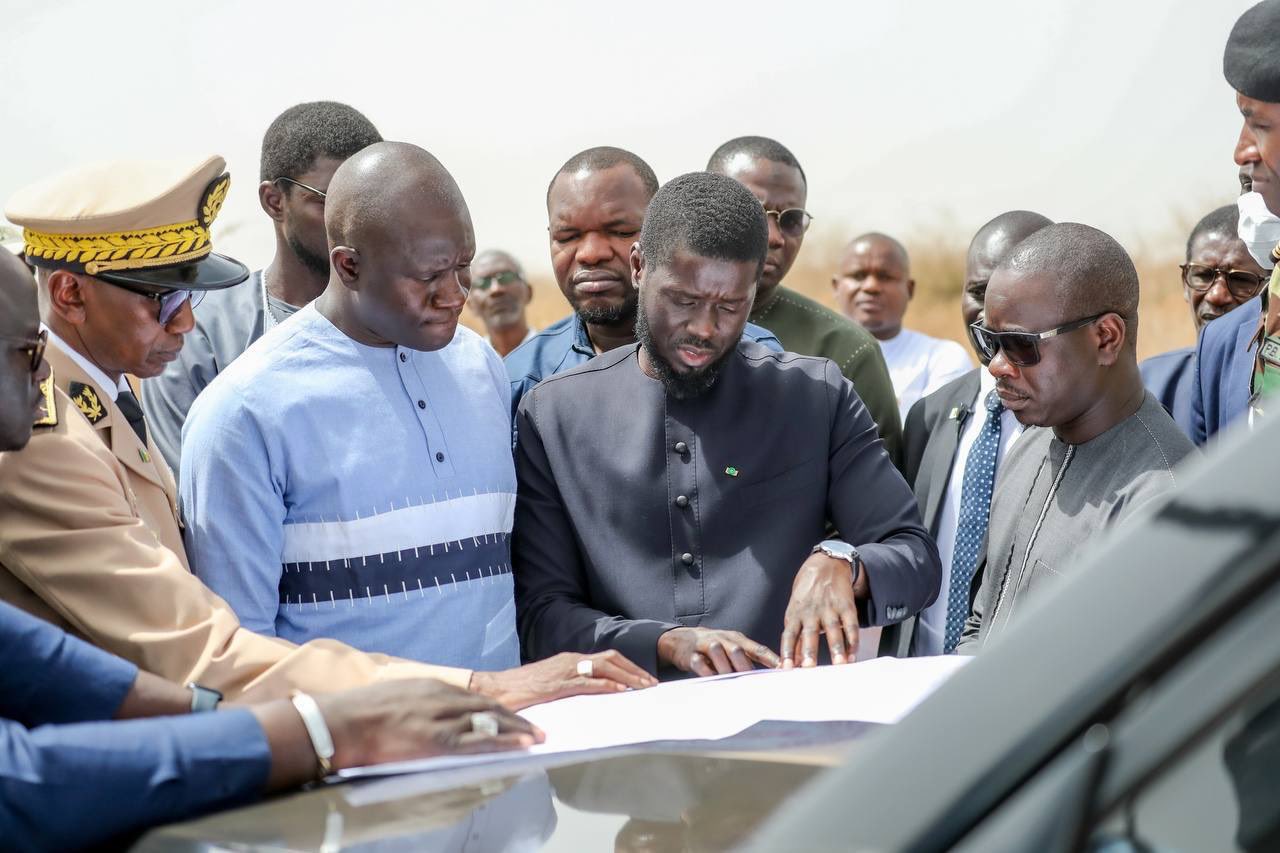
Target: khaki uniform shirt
{"x": 90, "y": 540}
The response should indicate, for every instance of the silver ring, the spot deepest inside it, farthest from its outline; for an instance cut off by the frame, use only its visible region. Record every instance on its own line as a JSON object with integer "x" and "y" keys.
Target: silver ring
{"x": 484, "y": 723}
{"x": 586, "y": 667}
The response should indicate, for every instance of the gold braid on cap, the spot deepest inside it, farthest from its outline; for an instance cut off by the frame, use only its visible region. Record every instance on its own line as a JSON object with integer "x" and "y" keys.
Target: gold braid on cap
{"x": 167, "y": 245}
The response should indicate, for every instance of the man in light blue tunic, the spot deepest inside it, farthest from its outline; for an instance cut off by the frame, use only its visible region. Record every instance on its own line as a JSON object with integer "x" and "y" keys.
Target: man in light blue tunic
{"x": 350, "y": 475}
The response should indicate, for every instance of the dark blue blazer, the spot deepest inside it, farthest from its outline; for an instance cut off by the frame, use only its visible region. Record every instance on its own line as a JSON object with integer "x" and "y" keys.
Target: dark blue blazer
{"x": 71, "y": 777}
{"x": 1223, "y": 367}
{"x": 1170, "y": 377}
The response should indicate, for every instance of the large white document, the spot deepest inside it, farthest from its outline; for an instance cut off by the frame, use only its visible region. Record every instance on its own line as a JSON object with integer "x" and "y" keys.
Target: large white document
{"x": 883, "y": 690}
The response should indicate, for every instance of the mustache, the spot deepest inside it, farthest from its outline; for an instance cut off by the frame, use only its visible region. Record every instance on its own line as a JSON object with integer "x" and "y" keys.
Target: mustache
{"x": 699, "y": 343}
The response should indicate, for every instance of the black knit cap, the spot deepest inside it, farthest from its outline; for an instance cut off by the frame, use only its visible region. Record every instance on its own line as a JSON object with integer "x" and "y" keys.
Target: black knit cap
{"x": 1251, "y": 62}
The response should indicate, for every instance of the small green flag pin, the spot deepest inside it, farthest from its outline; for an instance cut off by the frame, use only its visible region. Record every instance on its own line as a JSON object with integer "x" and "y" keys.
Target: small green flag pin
{"x": 144, "y": 455}
{"x": 731, "y": 471}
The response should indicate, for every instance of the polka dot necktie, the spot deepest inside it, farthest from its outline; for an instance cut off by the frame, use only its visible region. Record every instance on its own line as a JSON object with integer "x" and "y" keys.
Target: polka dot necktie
{"x": 975, "y": 509}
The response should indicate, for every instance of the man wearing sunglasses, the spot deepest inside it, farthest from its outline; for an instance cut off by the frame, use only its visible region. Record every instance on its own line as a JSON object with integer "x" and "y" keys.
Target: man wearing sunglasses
{"x": 1219, "y": 275}
{"x": 1060, "y": 338}
{"x": 300, "y": 151}
{"x": 954, "y": 443}
{"x": 499, "y": 296}
{"x": 90, "y": 537}
{"x": 804, "y": 326}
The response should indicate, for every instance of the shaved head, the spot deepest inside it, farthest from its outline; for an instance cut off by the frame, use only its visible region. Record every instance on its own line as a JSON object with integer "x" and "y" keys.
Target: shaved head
{"x": 497, "y": 258}
{"x": 19, "y": 321}
{"x": 988, "y": 248}
{"x": 1092, "y": 273}
{"x": 875, "y": 238}
{"x": 400, "y": 248}
{"x": 373, "y": 188}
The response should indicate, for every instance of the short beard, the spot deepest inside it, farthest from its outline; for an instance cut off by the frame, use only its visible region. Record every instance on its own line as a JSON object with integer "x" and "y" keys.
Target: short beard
{"x": 684, "y": 385}
{"x": 621, "y": 315}
{"x": 317, "y": 264}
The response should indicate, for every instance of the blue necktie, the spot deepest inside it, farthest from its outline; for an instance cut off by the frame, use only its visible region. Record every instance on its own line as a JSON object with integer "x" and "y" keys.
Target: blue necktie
{"x": 975, "y": 509}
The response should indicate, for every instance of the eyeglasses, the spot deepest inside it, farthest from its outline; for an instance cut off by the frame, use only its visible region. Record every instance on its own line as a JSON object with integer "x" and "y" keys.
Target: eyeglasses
{"x": 170, "y": 301}
{"x": 323, "y": 195}
{"x": 1021, "y": 348}
{"x": 35, "y": 348}
{"x": 484, "y": 282}
{"x": 1242, "y": 284}
{"x": 793, "y": 221}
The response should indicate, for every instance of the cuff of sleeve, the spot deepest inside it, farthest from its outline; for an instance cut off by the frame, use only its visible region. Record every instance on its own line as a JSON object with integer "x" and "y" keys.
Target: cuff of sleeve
{"x": 639, "y": 642}
{"x": 401, "y": 669}
{"x": 875, "y": 610}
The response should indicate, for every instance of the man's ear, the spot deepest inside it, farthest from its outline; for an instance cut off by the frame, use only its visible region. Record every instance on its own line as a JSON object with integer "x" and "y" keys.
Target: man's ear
{"x": 66, "y": 297}
{"x": 346, "y": 262}
{"x": 911, "y": 289}
{"x": 1111, "y": 332}
{"x": 835, "y": 282}
{"x": 271, "y": 197}
{"x": 637, "y": 265}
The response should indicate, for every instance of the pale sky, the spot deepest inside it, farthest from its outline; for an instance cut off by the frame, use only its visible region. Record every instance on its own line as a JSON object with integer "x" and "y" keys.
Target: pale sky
{"x": 906, "y": 114}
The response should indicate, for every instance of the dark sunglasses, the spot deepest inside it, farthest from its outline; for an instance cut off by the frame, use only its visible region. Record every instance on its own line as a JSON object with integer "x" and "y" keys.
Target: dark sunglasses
{"x": 1021, "y": 348}
{"x": 1242, "y": 284}
{"x": 323, "y": 195}
{"x": 793, "y": 221}
{"x": 34, "y": 348}
{"x": 484, "y": 282}
{"x": 170, "y": 301}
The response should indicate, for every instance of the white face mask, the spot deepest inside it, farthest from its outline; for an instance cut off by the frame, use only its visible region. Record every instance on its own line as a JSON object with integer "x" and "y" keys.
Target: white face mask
{"x": 1259, "y": 228}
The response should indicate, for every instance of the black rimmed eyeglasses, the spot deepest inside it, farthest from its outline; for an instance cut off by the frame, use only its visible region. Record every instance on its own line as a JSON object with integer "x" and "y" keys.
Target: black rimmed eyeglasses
{"x": 33, "y": 347}
{"x": 321, "y": 193}
{"x": 1022, "y": 348}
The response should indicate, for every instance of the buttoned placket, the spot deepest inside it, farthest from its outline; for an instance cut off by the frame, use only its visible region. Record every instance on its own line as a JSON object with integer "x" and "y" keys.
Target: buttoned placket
{"x": 432, "y": 432}
{"x": 682, "y": 511}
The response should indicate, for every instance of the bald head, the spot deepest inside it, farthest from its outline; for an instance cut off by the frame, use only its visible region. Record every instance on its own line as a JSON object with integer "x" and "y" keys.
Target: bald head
{"x": 374, "y": 190}
{"x": 495, "y": 260}
{"x": 400, "y": 248}
{"x": 876, "y": 240}
{"x": 988, "y": 248}
{"x": 1091, "y": 272}
{"x": 19, "y": 321}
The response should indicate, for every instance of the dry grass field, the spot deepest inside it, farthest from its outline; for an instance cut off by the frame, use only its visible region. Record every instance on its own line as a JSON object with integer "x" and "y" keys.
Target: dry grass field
{"x": 937, "y": 264}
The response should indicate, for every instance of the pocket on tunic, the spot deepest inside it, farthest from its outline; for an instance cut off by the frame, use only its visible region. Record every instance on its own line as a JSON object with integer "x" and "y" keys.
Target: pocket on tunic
{"x": 501, "y": 628}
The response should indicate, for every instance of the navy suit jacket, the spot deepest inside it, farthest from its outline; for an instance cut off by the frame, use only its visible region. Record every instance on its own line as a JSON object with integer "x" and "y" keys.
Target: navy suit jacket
{"x": 67, "y": 781}
{"x": 1170, "y": 377}
{"x": 1224, "y": 365}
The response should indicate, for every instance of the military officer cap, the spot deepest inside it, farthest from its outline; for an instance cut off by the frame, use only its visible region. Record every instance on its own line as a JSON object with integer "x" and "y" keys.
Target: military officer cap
{"x": 1251, "y": 62}
{"x": 142, "y": 224}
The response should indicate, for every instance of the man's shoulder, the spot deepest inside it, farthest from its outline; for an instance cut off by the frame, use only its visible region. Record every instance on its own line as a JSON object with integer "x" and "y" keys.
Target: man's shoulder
{"x": 786, "y": 365}
{"x": 833, "y": 334}
{"x": 963, "y": 390}
{"x": 65, "y": 441}
{"x": 591, "y": 373}
{"x": 1220, "y": 336}
{"x": 1158, "y": 435}
{"x": 542, "y": 353}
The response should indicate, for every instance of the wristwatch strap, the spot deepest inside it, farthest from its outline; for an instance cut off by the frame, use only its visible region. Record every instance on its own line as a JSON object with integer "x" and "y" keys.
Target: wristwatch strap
{"x": 317, "y": 730}
{"x": 203, "y": 698}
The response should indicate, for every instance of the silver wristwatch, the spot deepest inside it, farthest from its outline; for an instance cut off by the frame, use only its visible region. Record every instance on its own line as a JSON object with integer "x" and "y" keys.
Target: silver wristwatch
{"x": 841, "y": 551}
{"x": 203, "y": 698}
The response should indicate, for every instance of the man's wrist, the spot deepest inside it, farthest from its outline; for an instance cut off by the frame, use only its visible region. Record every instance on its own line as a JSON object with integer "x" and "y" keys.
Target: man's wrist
{"x": 838, "y": 550}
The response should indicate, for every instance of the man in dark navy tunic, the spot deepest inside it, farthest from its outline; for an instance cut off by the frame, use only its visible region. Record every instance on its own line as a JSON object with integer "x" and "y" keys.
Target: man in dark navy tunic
{"x": 676, "y": 497}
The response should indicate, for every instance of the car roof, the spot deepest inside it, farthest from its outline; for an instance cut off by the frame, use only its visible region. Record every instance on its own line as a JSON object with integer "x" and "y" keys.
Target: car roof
{"x": 1147, "y": 595}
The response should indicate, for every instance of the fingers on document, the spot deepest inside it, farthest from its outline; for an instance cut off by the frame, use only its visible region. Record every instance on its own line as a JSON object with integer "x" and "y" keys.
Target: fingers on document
{"x": 699, "y": 664}
{"x": 614, "y": 665}
{"x": 834, "y": 630}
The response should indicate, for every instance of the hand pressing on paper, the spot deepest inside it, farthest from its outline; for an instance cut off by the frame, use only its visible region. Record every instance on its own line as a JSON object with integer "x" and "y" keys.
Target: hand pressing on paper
{"x": 822, "y": 602}
{"x": 391, "y": 721}
{"x": 560, "y": 676}
{"x": 708, "y": 651}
